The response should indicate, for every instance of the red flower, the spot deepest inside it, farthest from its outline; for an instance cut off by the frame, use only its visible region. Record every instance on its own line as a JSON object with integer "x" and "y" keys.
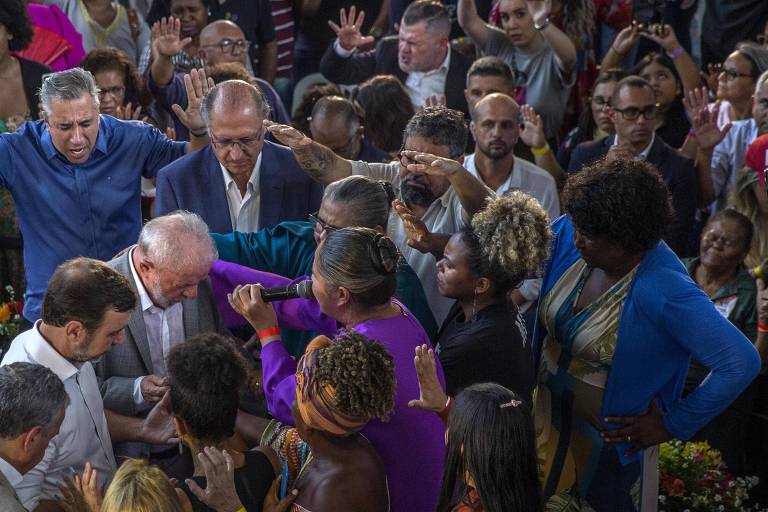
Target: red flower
{"x": 678, "y": 488}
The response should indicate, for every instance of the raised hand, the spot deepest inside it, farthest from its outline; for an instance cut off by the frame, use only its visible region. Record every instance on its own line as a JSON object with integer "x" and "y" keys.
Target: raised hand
{"x": 539, "y": 9}
{"x": 128, "y": 113}
{"x": 348, "y": 32}
{"x": 532, "y": 133}
{"x": 415, "y": 229}
{"x": 220, "y": 493}
{"x": 626, "y": 39}
{"x": 434, "y": 101}
{"x": 166, "y": 37}
{"x": 158, "y": 426}
{"x": 288, "y": 135}
{"x": 431, "y": 395}
{"x": 247, "y": 302}
{"x": 704, "y": 121}
{"x": 663, "y": 35}
{"x": 197, "y": 86}
{"x": 81, "y": 494}
{"x": 712, "y": 76}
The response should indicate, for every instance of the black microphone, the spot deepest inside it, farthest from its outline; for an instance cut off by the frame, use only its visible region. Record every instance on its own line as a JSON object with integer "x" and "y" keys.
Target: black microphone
{"x": 302, "y": 290}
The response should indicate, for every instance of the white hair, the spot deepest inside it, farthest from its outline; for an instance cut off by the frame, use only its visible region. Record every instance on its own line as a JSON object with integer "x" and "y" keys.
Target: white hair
{"x": 177, "y": 242}
{"x": 760, "y": 82}
{"x": 68, "y": 85}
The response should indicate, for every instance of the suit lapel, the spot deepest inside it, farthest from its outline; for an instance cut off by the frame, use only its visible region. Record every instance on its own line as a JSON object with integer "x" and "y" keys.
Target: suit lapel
{"x": 218, "y": 207}
{"x": 136, "y": 328}
{"x": 270, "y": 188}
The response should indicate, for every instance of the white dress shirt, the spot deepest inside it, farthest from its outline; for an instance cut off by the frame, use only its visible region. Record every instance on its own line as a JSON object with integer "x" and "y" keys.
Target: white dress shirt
{"x": 643, "y": 155}
{"x": 10, "y": 473}
{"x": 243, "y": 209}
{"x": 83, "y": 436}
{"x": 165, "y": 329}
{"x": 419, "y": 84}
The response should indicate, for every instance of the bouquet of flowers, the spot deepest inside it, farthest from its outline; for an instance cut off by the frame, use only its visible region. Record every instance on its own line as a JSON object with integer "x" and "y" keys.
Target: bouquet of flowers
{"x": 10, "y": 318}
{"x": 693, "y": 478}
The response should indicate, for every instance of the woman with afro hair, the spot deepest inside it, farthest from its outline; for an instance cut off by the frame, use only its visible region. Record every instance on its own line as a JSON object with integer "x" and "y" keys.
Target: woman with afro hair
{"x": 618, "y": 322}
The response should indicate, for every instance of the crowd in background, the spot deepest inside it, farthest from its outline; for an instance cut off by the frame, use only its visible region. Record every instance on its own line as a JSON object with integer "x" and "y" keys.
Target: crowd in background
{"x": 406, "y": 255}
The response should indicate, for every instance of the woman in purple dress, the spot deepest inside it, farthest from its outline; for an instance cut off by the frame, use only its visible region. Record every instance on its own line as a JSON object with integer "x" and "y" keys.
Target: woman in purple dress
{"x": 353, "y": 280}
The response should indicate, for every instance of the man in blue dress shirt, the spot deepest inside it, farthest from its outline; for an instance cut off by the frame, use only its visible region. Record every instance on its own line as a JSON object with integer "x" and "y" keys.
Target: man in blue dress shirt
{"x": 75, "y": 176}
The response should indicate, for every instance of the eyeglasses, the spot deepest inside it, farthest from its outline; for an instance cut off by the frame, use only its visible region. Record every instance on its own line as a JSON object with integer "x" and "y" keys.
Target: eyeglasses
{"x": 229, "y": 144}
{"x": 762, "y": 39}
{"x": 601, "y": 103}
{"x": 714, "y": 238}
{"x": 229, "y": 45}
{"x": 732, "y": 74}
{"x": 321, "y": 225}
{"x": 115, "y": 91}
{"x": 632, "y": 113}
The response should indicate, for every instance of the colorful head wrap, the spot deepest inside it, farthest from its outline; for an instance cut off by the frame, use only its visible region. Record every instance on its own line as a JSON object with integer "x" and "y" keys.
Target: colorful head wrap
{"x": 757, "y": 157}
{"x": 316, "y": 402}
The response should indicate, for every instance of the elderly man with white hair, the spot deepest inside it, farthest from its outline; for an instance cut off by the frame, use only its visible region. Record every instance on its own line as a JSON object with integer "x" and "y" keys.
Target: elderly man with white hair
{"x": 168, "y": 270}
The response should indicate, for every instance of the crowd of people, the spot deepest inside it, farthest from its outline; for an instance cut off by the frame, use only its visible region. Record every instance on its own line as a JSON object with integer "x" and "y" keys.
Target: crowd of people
{"x": 407, "y": 256}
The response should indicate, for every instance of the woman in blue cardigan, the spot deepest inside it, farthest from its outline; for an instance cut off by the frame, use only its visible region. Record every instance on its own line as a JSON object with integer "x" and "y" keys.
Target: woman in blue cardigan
{"x": 618, "y": 322}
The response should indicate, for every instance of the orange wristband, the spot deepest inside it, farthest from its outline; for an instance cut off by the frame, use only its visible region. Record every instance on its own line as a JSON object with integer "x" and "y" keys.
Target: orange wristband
{"x": 761, "y": 327}
{"x": 269, "y": 332}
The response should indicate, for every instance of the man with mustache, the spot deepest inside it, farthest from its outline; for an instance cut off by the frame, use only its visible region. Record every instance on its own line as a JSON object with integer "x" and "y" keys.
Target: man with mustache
{"x": 436, "y": 192}
{"x": 632, "y": 110}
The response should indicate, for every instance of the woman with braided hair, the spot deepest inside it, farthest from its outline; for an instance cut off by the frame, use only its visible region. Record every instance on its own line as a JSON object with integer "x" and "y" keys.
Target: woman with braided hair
{"x": 353, "y": 282}
{"x": 483, "y": 338}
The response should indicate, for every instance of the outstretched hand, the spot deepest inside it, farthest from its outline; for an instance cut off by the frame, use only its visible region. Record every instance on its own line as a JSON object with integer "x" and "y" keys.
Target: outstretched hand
{"x": 532, "y": 133}
{"x": 348, "y": 32}
{"x": 81, "y": 494}
{"x": 158, "y": 426}
{"x": 626, "y": 39}
{"x": 197, "y": 86}
{"x": 415, "y": 229}
{"x": 166, "y": 37}
{"x": 703, "y": 121}
{"x": 431, "y": 394}
{"x": 220, "y": 493}
{"x": 288, "y": 135}
{"x": 427, "y": 163}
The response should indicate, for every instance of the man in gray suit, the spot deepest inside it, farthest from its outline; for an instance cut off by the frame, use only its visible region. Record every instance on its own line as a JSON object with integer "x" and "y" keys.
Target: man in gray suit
{"x": 32, "y": 405}
{"x": 168, "y": 270}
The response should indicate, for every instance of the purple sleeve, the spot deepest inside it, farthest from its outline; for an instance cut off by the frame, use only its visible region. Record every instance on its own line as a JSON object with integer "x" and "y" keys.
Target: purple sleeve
{"x": 279, "y": 375}
{"x": 302, "y": 314}
{"x": 167, "y": 95}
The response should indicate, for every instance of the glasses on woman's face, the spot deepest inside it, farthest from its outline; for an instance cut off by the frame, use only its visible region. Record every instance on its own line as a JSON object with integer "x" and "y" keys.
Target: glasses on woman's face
{"x": 714, "y": 237}
{"x": 320, "y": 224}
{"x": 116, "y": 91}
{"x": 600, "y": 103}
{"x": 731, "y": 74}
{"x": 632, "y": 113}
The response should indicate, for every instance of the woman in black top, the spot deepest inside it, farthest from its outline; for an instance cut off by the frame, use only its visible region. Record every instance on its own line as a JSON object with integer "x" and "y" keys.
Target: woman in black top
{"x": 206, "y": 375}
{"x": 483, "y": 339}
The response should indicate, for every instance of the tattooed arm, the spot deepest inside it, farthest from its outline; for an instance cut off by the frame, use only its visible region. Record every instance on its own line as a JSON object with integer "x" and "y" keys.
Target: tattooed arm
{"x": 317, "y": 160}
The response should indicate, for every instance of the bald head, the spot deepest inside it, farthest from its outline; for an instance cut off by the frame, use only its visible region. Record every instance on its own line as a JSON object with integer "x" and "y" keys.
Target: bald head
{"x": 222, "y": 41}
{"x": 335, "y": 123}
{"x": 496, "y": 103}
{"x": 235, "y": 96}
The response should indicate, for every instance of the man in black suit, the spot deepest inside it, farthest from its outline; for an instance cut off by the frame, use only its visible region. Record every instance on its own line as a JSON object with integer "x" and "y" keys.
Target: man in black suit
{"x": 420, "y": 55}
{"x": 633, "y": 110}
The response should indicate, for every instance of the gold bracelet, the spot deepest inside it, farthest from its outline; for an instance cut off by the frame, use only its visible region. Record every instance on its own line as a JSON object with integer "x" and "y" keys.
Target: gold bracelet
{"x": 540, "y": 151}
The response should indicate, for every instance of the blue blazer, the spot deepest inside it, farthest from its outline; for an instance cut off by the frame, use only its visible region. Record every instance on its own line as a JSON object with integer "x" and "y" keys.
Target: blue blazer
{"x": 194, "y": 183}
{"x": 677, "y": 171}
{"x": 665, "y": 319}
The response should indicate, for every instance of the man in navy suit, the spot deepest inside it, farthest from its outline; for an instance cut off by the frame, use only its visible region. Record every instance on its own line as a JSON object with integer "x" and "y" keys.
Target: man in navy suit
{"x": 633, "y": 110}
{"x": 240, "y": 182}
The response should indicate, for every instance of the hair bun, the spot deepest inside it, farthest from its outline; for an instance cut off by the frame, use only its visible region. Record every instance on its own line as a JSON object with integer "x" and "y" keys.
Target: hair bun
{"x": 385, "y": 255}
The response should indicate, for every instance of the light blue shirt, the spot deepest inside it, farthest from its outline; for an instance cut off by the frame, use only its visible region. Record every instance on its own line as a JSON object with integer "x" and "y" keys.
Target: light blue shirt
{"x": 728, "y": 159}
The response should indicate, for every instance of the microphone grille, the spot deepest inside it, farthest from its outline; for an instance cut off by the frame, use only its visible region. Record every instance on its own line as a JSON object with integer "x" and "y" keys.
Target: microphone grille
{"x": 304, "y": 289}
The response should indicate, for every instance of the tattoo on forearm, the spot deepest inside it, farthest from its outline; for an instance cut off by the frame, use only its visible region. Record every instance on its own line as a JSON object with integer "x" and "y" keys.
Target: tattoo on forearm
{"x": 317, "y": 160}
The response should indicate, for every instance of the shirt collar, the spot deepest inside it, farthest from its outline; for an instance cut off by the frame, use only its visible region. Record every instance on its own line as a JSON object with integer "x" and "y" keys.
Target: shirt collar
{"x": 11, "y": 473}
{"x": 253, "y": 181}
{"x": 51, "y": 152}
{"x": 44, "y": 354}
{"x": 144, "y": 298}
{"x": 643, "y": 155}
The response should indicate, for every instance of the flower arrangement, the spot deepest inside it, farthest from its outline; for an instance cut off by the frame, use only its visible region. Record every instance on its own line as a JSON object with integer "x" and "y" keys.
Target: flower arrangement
{"x": 10, "y": 319}
{"x": 693, "y": 478}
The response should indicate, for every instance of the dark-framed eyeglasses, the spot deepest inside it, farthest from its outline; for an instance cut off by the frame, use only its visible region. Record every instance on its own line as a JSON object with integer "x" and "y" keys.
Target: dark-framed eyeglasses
{"x": 115, "y": 91}
{"x": 320, "y": 224}
{"x": 244, "y": 143}
{"x": 229, "y": 45}
{"x": 732, "y": 74}
{"x": 599, "y": 102}
{"x": 632, "y": 113}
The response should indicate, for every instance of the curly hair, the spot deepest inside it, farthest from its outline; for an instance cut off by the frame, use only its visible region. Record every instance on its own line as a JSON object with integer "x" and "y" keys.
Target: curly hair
{"x": 387, "y": 104}
{"x": 303, "y": 110}
{"x": 206, "y": 375}
{"x": 362, "y": 374}
{"x": 15, "y": 19}
{"x": 508, "y": 240}
{"x": 112, "y": 59}
{"x": 624, "y": 201}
